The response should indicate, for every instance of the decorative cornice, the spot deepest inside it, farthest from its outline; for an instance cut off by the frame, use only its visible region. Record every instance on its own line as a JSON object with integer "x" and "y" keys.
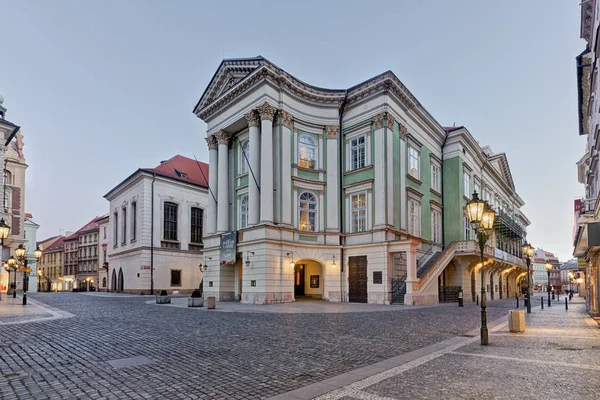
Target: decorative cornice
{"x": 252, "y": 118}
{"x": 266, "y": 111}
{"x": 223, "y": 137}
{"x": 211, "y": 141}
{"x": 287, "y": 119}
{"x": 332, "y": 131}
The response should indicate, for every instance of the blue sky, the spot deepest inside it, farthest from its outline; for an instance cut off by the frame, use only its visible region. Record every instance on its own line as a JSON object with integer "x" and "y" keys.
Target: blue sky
{"x": 102, "y": 88}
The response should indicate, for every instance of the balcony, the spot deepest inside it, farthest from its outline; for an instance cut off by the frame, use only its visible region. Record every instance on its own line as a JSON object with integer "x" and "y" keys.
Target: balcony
{"x": 588, "y": 205}
{"x": 470, "y": 247}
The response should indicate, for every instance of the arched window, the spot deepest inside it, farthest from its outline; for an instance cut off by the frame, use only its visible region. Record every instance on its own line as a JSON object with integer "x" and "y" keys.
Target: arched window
{"x": 8, "y": 177}
{"x": 307, "y": 151}
{"x": 308, "y": 212}
{"x": 244, "y": 159}
{"x": 243, "y": 211}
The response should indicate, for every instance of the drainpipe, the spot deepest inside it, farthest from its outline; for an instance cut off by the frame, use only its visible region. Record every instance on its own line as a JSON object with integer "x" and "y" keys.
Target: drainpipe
{"x": 152, "y": 237}
{"x": 442, "y": 189}
{"x": 341, "y": 192}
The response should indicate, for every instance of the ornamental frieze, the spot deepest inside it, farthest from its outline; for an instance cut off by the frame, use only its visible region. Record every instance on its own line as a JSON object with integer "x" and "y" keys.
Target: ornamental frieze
{"x": 211, "y": 141}
{"x": 332, "y": 131}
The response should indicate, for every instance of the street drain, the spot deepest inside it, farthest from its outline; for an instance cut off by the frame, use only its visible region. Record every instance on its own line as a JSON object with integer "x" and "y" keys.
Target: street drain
{"x": 302, "y": 378}
{"x": 349, "y": 362}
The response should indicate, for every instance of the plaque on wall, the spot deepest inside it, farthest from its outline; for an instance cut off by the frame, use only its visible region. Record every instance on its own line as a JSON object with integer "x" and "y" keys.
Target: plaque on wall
{"x": 228, "y": 247}
{"x": 377, "y": 277}
{"x": 314, "y": 281}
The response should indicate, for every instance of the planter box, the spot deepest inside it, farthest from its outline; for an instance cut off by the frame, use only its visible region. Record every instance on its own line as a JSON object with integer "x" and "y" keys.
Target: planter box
{"x": 195, "y": 302}
{"x": 163, "y": 299}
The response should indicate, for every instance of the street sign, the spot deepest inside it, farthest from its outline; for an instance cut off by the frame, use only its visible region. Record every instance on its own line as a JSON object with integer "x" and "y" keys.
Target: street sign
{"x": 23, "y": 269}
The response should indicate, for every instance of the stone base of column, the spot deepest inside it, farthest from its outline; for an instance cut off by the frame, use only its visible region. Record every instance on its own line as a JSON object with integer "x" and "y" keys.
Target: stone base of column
{"x": 420, "y": 299}
{"x": 267, "y": 298}
{"x": 334, "y": 297}
{"x": 219, "y": 296}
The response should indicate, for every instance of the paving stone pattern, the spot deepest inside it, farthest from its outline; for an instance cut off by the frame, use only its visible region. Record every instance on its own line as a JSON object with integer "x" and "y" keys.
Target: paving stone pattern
{"x": 205, "y": 355}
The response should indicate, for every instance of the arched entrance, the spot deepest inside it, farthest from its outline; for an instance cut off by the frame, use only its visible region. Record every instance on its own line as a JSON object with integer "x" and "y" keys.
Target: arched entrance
{"x": 121, "y": 285}
{"x": 113, "y": 281}
{"x": 309, "y": 279}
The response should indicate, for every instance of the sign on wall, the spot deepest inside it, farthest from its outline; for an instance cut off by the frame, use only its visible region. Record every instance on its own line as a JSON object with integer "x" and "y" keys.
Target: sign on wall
{"x": 228, "y": 247}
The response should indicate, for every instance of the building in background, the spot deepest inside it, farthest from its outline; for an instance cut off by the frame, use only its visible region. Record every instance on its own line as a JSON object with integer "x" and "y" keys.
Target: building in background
{"x": 156, "y": 225}
{"x": 569, "y": 274}
{"x": 52, "y": 266}
{"x": 587, "y": 224}
{"x": 87, "y": 259}
{"x": 71, "y": 259}
{"x": 30, "y": 235}
{"x": 540, "y": 273}
{"x": 337, "y": 194}
{"x": 104, "y": 239}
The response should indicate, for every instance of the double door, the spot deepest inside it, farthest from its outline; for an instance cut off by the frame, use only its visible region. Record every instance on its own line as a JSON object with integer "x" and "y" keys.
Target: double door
{"x": 357, "y": 279}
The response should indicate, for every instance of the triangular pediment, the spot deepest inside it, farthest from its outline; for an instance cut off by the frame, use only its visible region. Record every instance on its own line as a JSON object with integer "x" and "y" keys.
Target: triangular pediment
{"x": 500, "y": 163}
{"x": 229, "y": 74}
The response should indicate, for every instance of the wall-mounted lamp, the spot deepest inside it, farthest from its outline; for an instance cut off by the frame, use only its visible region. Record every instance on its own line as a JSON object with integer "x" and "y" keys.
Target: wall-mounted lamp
{"x": 333, "y": 263}
{"x": 292, "y": 263}
{"x": 205, "y": 267}
{"x": 248, "y": 258}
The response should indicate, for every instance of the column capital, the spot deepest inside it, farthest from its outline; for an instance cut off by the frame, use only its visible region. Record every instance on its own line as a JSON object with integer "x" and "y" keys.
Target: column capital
{"x": 403, "y": 132}
{"x": 223, "y": 137}
{"x": 332, "y": 131}
{"x": 382, "y": 119}
{"x": 266, "y": 111}
{"x": 252, "y": 118}
{"x": 287, "y": 119}
{"x": 211, "y": 141}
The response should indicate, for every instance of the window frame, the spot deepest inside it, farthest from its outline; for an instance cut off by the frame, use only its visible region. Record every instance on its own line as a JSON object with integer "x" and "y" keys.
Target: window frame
{"x": 115, "y": 230}
{"x": 173, "y": 230}
{"x": 196, "y": 222}
{"x": 436, "y": 181}
{"x": 243, "y": 214}
{"x": 467, "y": 184}
{"x": 436, "y": 234}
{"x": 244, "y": 166}
{"x": 467, "y": 227}
{"x": 364, "y": 146}
{"x": 358, "y": 210}
{"x": 309, "y": 211}
{"x": 171, "y": 277}
{"x": 133, "y": 221}
{"x": 124, "y": 227}
{"x": 313, "y": 145}
{"x": 412, "y": 148}
{"x": 413, "y": 219}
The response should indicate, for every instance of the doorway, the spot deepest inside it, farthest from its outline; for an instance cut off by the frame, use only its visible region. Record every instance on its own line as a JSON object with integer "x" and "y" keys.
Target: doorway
{"x": 357, "y": 279}
{"x": 299, "y": 280}
{"x": 121, "y": 285}
{"x": 113, "y": 281}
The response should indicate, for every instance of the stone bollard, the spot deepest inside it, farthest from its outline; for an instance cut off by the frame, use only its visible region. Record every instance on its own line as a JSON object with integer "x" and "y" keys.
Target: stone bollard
{"x": 516, "y": 321}
{"x": 566, "y": 304}
{"x": 542, "y": 302}
{"x": 517, "y": 296}
{"x": 477, "y": 303}
{"x": 212, "y": 303}
{"x": 460, "y": 299}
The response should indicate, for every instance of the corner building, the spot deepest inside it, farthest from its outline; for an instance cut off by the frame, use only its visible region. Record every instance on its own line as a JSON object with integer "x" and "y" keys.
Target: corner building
{"x": 330, "y": 194}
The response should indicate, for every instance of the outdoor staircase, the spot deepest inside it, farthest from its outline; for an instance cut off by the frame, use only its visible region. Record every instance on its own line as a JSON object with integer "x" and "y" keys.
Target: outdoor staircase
{"x": 427, "y": 273}
{"x": 422, "y": 269}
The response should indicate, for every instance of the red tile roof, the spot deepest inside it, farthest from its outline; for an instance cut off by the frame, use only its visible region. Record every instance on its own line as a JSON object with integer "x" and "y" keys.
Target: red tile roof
{"x": 71, "y": 238}
{"x": 27, "y": 215}
{"x": 182, "y": 169}
{"x": 93, "y": 224}
{"x": 56, "y": 246}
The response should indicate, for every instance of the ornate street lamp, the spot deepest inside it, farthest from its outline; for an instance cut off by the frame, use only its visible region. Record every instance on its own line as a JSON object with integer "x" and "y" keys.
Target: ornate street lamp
{"x": 481, "y": 216}
{"x": 570, "y": 285}
{"x": 20, "y": 252}
{"x": 528, "y": 253}
{"x": 548, "y": 266}
{"x": 37, "y": 253}
{"x": 12, "y": 263}
{"x": 4, "y": 232}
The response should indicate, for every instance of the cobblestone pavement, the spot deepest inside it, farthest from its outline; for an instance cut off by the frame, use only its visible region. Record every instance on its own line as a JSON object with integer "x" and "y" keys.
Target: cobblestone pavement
{"x": 557, "y": 357}
{"x": 178, "y": 353}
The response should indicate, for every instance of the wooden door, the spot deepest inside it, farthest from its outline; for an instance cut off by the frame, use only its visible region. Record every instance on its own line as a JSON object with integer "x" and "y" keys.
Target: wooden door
{"x": 357, "y": 279}
{"x": 299, "y": 280}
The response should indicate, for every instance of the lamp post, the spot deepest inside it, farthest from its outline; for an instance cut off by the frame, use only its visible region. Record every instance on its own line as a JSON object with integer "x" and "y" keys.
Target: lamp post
{"x": 548, "y": 267}
{"x": 20, "y": 252}
{"x": 528, "y": 253}
{"x": 37, "y": 253}
{"x": 12, "y": 263}
{"x": 4, "y": 232}
{"x": 481, "y": 216}
{"x": 570, "y": 284}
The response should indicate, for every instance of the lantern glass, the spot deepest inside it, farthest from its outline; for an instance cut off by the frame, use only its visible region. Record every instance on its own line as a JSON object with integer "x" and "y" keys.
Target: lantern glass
{"x": 4, "y": 229}
{"x": 526, "y": 248}
{"x": 487, "y": 219}
{"x": 292, "y": 264}
{"x": 475, "y": 208}
{"x": 548, "y": 265}
{"x": 11, "y": 261}
{"x": 37, "y": 253}
{"x": 20, "y": 252}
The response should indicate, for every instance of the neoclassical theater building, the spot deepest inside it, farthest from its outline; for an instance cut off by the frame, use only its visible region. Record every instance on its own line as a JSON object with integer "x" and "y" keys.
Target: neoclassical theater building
{"x": 342, "y": 195}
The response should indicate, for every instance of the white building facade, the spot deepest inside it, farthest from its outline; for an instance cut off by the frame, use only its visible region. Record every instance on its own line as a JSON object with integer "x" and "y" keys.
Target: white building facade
{"x": 155, "y": 229}
{"x": 30, "y": 246}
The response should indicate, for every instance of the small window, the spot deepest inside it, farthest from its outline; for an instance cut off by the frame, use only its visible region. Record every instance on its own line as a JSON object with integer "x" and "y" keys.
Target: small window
{"x": 124, "y": 216}
{"x": 133, "y": 220}
{"x": 358, "y": 153}
{"x": 8, "y": 179}
{"x": 436, "y": 178}
{"x": 467, "y": 184}
{"x": 436, "y": 226}
{"x": 358, "y": 210}
{"x": 308, "y": 212}
{"x": 196, "y": 225}
{"x": 307, "y": 151}
{"x": 414, "y": 217}
{"x": 243, "y": 211}
{"x": 467, "y": 228}
{"x": 175, "y": 277}
{"x": 170, "y": 221}
{"x": 245, "y": 156}
{"x": 413, "y": 162}
{"x": 115, "y": 229}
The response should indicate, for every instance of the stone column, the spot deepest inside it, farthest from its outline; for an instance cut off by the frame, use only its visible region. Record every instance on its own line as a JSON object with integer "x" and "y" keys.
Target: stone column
{"x": 403, "y": 161}
{"x": 254, "y": 173}
{"x": 411, "y": 273}
{"x": 267, "y": 114}
{"x": 379, "y": 164}
{"x": 223, "y": 171}
{"x": 332, "y": 188}
{"x": 211, "y": 216}
{"x": 286, "y": 169}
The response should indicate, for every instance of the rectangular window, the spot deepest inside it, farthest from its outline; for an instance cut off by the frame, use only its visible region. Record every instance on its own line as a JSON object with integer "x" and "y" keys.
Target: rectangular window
{"x": 436, "y": 226}
{"x": 115, "y": 229}
{"x": 104, "y": 234}
{"x": 196, "y": 225}
{"x": 414, "y": 217}
{"x": 175, "y": 277}
{"x": 436, "y": 178}
{"x": 244, "y": 156}
{"x": 467, "y": 228}
{"x": 358, "y": 210}
{"x": 124, "y": 216}
{"x": 358, "y": 153}
{"x": 467, "y": 184}
{"x": 133, "y": 220}
{"x": 413, "y": 162}
{"x": 243, "y": 211}
{"x": 478, "y": 190}
{"x": 170, "y": 221}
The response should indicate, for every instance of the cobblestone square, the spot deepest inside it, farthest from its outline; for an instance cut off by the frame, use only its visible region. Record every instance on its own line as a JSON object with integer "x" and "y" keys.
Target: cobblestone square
{"x": 206, "y": 355}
